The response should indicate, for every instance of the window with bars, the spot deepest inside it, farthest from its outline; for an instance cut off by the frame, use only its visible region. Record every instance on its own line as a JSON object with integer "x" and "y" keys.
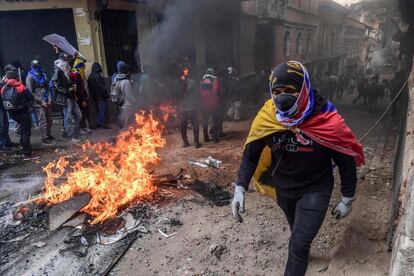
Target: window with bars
{"x": 299, "y": 43}
{"x": 308, "y": 42}
{"x": 120, "y": 36}
{"x": 286, "y": 44}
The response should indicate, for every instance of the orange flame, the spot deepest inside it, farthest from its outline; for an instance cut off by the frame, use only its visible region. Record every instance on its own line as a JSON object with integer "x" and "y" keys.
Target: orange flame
{"x": 167, "y": 110}
{"x": 185, "y": 74}
{"x": 114, "y": 175}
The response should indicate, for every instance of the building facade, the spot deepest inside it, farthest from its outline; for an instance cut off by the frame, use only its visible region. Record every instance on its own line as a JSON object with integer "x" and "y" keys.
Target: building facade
{"x": 103, "y": 31}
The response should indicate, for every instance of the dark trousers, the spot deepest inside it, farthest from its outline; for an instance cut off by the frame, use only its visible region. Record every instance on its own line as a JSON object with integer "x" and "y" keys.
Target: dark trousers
{"x": 305, "y": 216}
{"x": 214, "y": 114}
{"x": 101, "y": 112}
{"x": 84, "y": 122}
{"x": 25, "y": 122}
{"x": 4, "y": 128}
{"x": 222, "y": 112}
{"x": 185, "y": 117}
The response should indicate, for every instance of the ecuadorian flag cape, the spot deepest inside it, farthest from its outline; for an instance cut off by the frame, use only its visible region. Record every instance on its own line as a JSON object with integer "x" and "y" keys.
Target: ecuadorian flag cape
{"x": 327, "y": 128}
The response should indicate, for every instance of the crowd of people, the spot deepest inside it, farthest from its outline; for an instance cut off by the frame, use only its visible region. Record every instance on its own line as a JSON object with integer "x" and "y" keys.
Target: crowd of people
{"x": 30, "y": 98}
{"x": 369, "y": 88}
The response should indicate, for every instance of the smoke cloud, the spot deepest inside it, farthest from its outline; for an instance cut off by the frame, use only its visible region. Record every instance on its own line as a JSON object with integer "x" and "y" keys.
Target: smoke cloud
{"x": 183, "y": 23}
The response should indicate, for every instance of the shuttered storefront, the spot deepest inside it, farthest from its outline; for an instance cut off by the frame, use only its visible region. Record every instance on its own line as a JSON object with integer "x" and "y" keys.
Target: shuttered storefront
{"x": 21, "y": 34}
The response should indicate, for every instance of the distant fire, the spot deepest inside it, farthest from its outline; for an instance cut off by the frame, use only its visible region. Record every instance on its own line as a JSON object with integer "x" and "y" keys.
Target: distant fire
{"x": 114, "y": 175}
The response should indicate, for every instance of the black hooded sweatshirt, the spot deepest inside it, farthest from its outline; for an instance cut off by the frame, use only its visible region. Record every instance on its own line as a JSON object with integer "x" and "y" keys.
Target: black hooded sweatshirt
{"x": 96, "y": 84}
{"x": 297, "y": 168}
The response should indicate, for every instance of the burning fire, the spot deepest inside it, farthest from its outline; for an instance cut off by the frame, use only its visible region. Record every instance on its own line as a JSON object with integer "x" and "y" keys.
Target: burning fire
{"x": 114, "y": 175}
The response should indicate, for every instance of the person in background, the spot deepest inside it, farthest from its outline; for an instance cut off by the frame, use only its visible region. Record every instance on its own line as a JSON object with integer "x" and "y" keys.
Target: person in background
{"x": 37, "y": 84}
{"x": 373, "y": 92}
{"x": 21, "y": 73}
{"x": 63, "y": 85}
{"x": 351, "y": 86}
{"x": 78, "y": 79}
{"x": 16, "y": 100}
{"x": 362, "y": 91}
{"x": 342, "y": 85}
{"x": 233, "y": 86}
{"x": 209, "y": 94}
{"x": 187, "y": 104}
{"x": 147, "y": 88}
{"x": 5, "y": 142}
{"x": 99, "y": 93}
{"x": 122, "y": 94}
{"x": 222, "y": 99}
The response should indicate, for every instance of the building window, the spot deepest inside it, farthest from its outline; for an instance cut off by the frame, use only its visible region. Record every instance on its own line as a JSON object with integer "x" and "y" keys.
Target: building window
{"x": 308, "y": 42}
{"x": 299, "y": 43}
{"x": 286, "y": 44}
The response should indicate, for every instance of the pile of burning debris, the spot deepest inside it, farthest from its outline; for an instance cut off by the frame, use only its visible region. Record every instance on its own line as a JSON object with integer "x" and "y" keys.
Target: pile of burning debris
{"x": 104, "y": 195}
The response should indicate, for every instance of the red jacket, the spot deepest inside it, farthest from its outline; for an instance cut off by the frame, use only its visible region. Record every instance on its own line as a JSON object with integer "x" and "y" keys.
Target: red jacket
{"x": 209, "y": 92}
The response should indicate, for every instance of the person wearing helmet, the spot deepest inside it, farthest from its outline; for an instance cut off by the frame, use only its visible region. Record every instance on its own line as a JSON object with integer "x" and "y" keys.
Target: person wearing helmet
{"x": 209, "y": 94}
{"x": 37, "y": 84}
{"x": 289, "y": 152}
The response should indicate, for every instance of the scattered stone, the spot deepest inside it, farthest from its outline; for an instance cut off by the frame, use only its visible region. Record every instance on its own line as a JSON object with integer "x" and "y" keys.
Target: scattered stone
{"x": 39, "y": 244}
{"x": 217, "y": 250}
{"x": 362, "y": 261}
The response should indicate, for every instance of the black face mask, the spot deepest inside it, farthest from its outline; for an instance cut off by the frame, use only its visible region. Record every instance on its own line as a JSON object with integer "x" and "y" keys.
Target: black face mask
{"x": 285, "y": 101}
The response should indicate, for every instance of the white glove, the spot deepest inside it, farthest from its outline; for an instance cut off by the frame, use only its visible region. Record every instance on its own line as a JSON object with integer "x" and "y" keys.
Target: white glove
{"x": 343, "y": 208}
{"x": 238, "y": 203}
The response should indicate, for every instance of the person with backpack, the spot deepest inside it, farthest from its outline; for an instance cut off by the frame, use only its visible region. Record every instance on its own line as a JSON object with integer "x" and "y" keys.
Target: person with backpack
{"x": 17, "y": 100}
{"x": 37, "y": 84}
{"x": 209, "y": 95}
{"x": 78, "y": 78}
{"x": 64, "y": 88}
{"x": 98, "y": 92}
{"x": 122, "y": 95}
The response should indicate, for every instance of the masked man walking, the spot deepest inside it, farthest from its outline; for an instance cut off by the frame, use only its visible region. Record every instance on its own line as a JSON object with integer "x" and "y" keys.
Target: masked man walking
{"x": 290, "y": 148}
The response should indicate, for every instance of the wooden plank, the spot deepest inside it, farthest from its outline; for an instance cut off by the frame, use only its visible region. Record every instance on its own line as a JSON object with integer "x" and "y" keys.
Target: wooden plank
{"x": 62, "y": 212}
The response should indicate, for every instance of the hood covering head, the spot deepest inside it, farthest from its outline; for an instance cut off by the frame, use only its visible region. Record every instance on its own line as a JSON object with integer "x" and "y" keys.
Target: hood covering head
{"x": 79, "y": 67}
{"x": 96, "y": 68}
{"x": 211, "y": 71}
{"x": 11, "y": 75}
{"x": 292, "y": 75}
{"x": 119, "y": 66}
{"x": 37, "y": 73}
{"x": 9, "y": 67}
